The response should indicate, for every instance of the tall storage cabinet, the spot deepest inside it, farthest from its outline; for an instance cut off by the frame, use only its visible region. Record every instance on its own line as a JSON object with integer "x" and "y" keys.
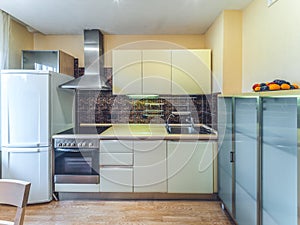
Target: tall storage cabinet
{"x": 264, "y": 154}
{"x": 279, "y": 161}
{"x": 245, "y": 159}
{"x": 225, "y": 153}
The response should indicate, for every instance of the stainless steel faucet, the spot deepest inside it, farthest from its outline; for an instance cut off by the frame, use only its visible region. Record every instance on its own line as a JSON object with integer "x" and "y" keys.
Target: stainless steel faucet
{"x": 167, "y": 122}
{"x": 191, "y": 121}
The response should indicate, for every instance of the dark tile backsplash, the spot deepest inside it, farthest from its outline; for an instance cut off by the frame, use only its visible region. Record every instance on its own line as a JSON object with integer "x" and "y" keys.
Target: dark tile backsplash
{"x": 103, "y": 107}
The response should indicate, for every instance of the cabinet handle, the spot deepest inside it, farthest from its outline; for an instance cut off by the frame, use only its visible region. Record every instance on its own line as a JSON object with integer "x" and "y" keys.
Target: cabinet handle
{"x": 231, "y": 157}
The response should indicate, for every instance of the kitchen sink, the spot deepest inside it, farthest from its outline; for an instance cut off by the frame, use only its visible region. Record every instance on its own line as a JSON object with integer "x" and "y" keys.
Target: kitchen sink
{"x": 175, "y": 129}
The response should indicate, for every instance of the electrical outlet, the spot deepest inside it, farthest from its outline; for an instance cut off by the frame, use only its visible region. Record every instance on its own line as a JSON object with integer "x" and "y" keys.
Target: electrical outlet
{"x": 271, "y": 2}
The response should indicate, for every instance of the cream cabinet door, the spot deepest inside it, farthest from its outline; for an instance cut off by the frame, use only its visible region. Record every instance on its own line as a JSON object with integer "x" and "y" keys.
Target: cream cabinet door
{"x": 116, "y": 146}
{"x": 150, "y": 166}
{"x": 156, "y": 71}
{"x": 127, "y": 71}
{"x": 191, "y": 71}
{"x": 190, "y": 167}
{"x": 116, "y": 179}
{"x": 116, "y": 166}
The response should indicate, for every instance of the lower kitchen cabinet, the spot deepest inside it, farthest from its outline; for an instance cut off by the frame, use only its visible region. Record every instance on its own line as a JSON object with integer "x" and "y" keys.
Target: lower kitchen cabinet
{"x": 263, "y": 155}
{"x": 156, "y": 166}
{"x": 150, "y": 166}
{"x": 116, "y": 179}
{"x": 190, "y": 167}
{"x": 116, "y": 166}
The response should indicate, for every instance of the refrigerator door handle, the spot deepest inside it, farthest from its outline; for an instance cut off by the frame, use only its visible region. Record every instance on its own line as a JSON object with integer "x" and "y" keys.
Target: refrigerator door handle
{"x": 24, "y": 145}
{"x": 22, "y": 150}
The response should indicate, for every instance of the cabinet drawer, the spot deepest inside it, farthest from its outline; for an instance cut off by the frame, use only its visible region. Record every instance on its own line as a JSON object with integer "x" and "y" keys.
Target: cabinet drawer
{"x": 116, "y": 159}
{"x": 116, "y": 146}
{"x": 116, "y": 179}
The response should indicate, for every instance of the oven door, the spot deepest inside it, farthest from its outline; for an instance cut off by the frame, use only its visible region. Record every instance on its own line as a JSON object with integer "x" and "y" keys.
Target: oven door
{"x": 76, "y": 166}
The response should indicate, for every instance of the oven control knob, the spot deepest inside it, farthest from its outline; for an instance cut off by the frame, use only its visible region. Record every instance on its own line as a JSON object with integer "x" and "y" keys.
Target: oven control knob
{"x": 64, "y": 144}
{"x": 91, "y": 144}
{"x": 79, "y": 144}
{"x": 83, "y": 144}
{"x": 73, "y": 144}
{"x": 60, "y": 144}
{"x": 69, "y": 144}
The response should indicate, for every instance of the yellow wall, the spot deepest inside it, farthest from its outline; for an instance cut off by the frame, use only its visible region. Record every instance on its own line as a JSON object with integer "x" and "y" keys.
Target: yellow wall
{"x": 19, "y": 39}
{"x": 214, "y": 40}
{"x": 71, "y": 44}
{"x": 224, "y": 37}
{"x": 271, "y": 42}
{"x": 232, "y": 52}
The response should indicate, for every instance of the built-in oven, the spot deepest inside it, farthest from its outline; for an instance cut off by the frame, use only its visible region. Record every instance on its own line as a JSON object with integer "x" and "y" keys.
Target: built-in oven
{"x": 76, "y": 161}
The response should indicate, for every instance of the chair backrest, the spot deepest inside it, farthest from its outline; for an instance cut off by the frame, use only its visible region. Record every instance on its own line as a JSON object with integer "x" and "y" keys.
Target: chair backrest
{"x": 15, "y": 193}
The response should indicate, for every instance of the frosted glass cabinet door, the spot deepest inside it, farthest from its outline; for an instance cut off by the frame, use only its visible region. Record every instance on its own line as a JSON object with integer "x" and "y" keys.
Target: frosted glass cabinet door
{"x": 245, "y": 160}
{"x": 279, "y": 161}
{"x": 225, "y": 147}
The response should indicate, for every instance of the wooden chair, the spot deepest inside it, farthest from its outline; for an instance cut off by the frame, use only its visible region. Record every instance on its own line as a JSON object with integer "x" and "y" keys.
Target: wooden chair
{"x": 14, "y": 193}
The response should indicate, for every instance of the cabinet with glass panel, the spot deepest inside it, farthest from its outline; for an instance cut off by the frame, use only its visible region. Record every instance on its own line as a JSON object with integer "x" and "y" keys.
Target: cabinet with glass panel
{"x": 258, "y": 157}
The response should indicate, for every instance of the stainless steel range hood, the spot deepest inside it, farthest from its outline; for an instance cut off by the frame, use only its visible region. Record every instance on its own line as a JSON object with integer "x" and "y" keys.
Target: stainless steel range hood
{"x": 94, "y": 77}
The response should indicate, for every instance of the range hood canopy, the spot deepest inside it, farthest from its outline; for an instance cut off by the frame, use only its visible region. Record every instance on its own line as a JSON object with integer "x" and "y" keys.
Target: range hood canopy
{"x": 94, "y": 77}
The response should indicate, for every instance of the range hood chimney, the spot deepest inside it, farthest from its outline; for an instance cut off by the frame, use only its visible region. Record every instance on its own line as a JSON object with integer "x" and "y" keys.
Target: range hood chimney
{"x": 94, "y": 77}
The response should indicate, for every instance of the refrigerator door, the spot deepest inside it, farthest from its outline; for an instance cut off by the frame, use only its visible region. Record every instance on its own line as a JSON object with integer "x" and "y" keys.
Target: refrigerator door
{"x": 25, "y": 109}
{"x": 30, "y": 164}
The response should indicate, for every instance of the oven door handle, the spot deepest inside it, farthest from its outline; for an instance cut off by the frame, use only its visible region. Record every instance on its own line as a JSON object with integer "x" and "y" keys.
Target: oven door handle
{"x": 67, "y": 150}
{"x": 76, "y": 150}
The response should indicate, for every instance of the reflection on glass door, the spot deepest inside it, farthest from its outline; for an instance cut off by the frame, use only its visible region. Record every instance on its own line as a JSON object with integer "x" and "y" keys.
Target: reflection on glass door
{"x": 246, "y": 160}
{"x": 279, "y": 161}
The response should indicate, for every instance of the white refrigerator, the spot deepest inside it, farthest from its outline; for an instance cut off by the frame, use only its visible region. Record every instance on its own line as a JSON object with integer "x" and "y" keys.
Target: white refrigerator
{"x": 33, "y": 108}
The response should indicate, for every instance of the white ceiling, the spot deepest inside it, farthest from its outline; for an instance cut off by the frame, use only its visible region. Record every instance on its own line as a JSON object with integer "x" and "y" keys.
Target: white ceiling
{"x": 120, "y": 16}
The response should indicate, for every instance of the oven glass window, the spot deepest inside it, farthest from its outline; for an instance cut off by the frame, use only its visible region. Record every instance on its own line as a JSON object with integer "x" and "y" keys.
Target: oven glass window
{"x": 76, "y": 163}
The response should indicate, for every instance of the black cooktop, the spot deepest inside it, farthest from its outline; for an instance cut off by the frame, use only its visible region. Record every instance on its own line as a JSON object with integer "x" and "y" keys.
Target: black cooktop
{"x": 86, "y": 130}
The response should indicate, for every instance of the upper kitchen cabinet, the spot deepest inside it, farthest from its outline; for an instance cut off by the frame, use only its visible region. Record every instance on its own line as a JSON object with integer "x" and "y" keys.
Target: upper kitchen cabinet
{"x": 156, "y": 71}
{"x": 56, "y": 60}
{"x": 191, "y": 72}
{"x": 177, "y": 72}
{"x": 127, "y": 71}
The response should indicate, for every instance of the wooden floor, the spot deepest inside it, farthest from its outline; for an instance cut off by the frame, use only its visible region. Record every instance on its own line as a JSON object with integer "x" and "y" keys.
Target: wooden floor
{"x": 123, "y": 212}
